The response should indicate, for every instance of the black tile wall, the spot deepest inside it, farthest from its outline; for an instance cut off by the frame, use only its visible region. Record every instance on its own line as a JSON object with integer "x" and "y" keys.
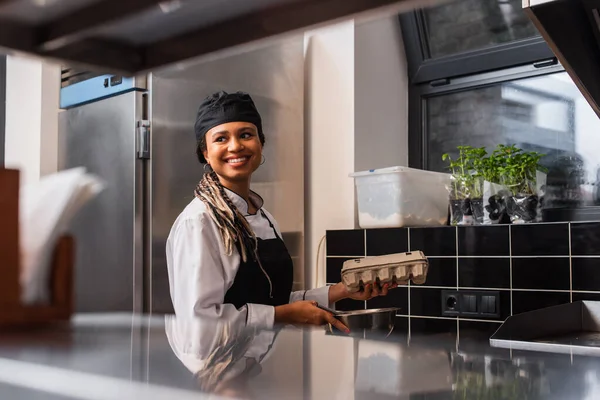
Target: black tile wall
{"x": 541, "y": 273}
{"x": 334, "y": 268}
{"x": 350, "y": 305}
{"x": 533, "y": 300}
{"x": 531, "y": 266}
{"x": 434, "y": 242}
{"x": 396, "y": 298}
{"x": 346, "y": 243}
{"x": 585, "y": 239}
{"x": 586, "y": 273}
{"x": 586, "y": 296}
{"x": 431, "y": 325}
{"x": 484, "y": 272}
{"x": 386, "y": 241}
{"x": 441, "y": 272}
{"x": 426, "y": 301}
{"x": 483, "y": 241}
{"x": 540, "y": 239}
{"x": 477, "y": 327}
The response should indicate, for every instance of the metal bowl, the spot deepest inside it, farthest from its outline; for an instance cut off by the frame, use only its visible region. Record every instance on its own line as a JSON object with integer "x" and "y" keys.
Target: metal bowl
{"x": 359, "y": 321}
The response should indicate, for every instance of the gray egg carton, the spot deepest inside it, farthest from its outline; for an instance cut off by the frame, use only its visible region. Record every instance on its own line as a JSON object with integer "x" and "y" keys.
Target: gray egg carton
{"x": 398, "y": 268}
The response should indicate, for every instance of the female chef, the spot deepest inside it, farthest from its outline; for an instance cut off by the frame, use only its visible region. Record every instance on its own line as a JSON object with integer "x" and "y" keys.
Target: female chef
{"x": 225, "y": 255}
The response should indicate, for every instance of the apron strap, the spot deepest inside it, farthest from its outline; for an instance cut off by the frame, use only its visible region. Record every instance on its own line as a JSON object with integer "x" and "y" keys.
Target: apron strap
{"x": 271, "y": 224}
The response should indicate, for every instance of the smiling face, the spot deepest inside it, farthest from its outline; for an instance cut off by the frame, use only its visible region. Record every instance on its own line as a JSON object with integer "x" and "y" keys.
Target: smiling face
{"x": 233, "y": 150}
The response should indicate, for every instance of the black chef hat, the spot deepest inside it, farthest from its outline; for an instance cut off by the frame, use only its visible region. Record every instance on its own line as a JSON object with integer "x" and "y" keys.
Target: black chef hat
{"x": 220, "y": 108}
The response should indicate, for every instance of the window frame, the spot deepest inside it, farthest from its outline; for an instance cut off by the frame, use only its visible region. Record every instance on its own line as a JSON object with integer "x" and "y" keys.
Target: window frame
{"x": 418, "y": 95}
{"x": 422, "y": 68}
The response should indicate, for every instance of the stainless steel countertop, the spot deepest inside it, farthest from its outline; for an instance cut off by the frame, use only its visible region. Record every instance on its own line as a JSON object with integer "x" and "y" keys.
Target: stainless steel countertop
{"x": 122, "y": 356}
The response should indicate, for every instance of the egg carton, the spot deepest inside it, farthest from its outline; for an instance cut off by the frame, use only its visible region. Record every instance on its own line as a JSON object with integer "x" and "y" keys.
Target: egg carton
{"x": 396, "y": 268}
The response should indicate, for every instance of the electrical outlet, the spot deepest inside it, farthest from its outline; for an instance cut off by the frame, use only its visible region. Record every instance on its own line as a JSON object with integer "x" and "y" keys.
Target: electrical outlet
{"x": 471, "y": 303}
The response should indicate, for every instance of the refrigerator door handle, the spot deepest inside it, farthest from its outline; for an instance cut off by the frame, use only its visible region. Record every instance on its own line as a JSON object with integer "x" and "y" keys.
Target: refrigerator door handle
{"x": 143, "y": 142}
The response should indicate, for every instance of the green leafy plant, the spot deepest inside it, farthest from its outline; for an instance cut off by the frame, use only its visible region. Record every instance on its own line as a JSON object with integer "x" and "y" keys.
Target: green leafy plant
{"x": 507, "y": 165}
{"x": 466, "y": 182}
{"x": 517, "y": 169}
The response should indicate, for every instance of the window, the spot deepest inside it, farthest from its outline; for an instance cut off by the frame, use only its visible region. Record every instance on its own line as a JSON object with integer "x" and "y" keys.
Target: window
{"x": 469, "y": 36}
{"x": 525, "y": 101}
{"x": 469, "y": 25}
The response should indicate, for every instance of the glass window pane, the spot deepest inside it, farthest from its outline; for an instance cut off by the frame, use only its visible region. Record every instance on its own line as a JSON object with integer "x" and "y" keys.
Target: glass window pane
{"x": 467, "y": 25}
{"x": 547, "y": 114}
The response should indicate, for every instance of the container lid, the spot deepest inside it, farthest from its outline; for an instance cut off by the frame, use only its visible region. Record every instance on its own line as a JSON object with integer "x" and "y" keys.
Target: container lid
{"x": 394, "y": 170}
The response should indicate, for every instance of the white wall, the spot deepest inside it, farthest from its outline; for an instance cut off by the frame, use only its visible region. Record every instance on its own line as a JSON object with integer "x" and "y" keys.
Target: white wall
{"x": 32, "y": 99}
{"x": 381, "y": 95}
{"x": 356, "y": 107}
{"x": 356, "y": 116}
{"x": 329, "y": 140}
{"x": 329, "y": 157}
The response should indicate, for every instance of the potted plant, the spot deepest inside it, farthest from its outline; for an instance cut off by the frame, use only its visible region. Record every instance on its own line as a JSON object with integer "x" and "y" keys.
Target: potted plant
{"x": 466, "y": 203}
{"x": 519, "y": 174}
{"x": 507, "y": 180}
{"x": 494, "y": 193}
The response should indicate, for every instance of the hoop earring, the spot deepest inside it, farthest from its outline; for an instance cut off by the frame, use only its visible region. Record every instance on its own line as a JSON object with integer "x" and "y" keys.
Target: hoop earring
{"x": 263, "y": 159}
{"x": 209, "y": 167}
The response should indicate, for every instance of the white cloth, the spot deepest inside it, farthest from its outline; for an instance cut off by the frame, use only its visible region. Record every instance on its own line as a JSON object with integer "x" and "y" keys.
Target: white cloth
{"x": 46, "y": 210}
{"x": 200, "y": 274}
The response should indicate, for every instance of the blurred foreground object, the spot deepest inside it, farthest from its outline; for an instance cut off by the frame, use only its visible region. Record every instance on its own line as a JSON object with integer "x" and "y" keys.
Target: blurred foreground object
{"x": 49, "y": 278}
{"x": 46, "y": 208}
{"x": 131, "y": 36}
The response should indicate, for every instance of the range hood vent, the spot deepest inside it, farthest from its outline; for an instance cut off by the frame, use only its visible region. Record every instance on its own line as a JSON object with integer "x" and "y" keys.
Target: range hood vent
{"x": 572, "y": 30}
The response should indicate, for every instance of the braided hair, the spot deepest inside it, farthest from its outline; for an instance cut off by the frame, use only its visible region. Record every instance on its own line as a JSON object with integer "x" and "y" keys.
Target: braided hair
{"x": 233, "y": 226}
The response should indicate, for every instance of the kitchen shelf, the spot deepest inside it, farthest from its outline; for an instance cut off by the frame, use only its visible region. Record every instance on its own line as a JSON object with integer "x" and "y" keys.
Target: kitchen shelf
{"x": 132, "y": 36}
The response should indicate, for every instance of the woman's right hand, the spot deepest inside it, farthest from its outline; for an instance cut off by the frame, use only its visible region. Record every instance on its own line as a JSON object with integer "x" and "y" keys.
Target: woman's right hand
{"x": 306, "y": 313}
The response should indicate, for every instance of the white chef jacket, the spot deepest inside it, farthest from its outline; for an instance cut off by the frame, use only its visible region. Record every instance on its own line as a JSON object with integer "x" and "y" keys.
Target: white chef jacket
{"x": 200, "y": 273}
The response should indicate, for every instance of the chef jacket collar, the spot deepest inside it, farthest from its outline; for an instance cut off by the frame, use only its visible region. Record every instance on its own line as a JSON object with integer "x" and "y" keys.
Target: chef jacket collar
{"x": 241, "y": 204}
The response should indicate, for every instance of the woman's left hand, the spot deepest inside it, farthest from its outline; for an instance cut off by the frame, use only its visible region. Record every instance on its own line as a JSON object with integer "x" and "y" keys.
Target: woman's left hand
{"x": 339, "y": 292}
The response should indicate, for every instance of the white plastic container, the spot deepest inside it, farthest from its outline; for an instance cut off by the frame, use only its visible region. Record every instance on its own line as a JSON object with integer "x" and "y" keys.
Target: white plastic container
{"x": 401, "y": 197}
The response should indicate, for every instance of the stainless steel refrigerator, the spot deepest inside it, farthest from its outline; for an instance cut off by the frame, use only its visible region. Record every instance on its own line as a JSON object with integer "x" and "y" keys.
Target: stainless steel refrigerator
{"x": 137, "y": 135}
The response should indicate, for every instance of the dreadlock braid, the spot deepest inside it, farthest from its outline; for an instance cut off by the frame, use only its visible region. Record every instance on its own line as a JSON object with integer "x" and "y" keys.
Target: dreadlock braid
{"x": 233, "y": 226}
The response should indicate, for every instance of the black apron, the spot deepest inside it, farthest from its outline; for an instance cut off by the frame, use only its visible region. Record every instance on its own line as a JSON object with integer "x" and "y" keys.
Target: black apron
{"x": 251, "y": 284}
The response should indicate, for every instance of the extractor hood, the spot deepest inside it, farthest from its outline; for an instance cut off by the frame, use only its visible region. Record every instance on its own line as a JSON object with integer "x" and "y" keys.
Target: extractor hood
{"x": 572, "y": 30}
{"x": 131, "y": 36}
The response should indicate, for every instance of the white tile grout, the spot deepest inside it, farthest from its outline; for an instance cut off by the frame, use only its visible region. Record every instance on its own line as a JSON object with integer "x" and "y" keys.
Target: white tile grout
{"x": 511, "y": 289}
{"x": 480, "y": 320}
{"x": 510, "y": 266}
{"x": 365, "y": 239}
{"x": 350, "y": 257}
{"x": 408, "y": 291}
{"x": 420, "y": 287}
{"x": 485, "y": 257}
{"x": 431, "y": 317}
{"x": 541, "y": 290}
{"x": 456, "y": 288}
{"x": 456, "y": 256}
{"x": 570, "y": 268}
{"x": 457, "y": 334}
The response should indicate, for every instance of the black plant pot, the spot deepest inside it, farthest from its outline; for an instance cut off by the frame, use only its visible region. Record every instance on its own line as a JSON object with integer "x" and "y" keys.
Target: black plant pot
{"x": 466, "y": 212}
{"x": 477, "y": 209}
{"x": 522, "y": 208}
{"x": 496, "y": 208}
